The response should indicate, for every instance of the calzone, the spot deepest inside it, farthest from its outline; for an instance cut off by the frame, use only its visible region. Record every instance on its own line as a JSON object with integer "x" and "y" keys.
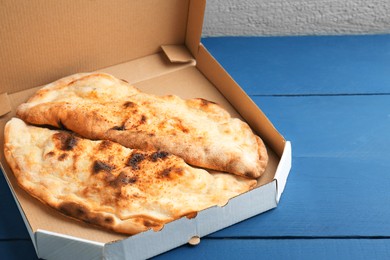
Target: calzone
{"x": 106, "y": 184}
{"x": 99, "y": 106}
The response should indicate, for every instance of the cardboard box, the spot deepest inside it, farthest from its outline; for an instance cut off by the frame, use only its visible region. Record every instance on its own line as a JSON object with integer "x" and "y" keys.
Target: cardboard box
{"x": 154, "y": 45}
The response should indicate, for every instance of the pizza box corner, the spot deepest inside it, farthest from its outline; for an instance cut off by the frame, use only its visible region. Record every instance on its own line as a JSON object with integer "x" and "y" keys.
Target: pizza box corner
{"x": 156, "y": 46}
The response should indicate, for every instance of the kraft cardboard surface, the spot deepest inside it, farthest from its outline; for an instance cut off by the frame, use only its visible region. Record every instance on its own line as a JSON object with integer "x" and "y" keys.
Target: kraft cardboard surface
{"x": 46, "y": 40}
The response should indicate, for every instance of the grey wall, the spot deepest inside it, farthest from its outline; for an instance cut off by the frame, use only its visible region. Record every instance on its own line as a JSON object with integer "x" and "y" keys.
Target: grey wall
{"x": 296, "y": 17}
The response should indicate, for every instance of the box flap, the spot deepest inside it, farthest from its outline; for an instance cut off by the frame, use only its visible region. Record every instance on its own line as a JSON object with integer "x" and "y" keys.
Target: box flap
{"x": 52, "y": 245}
{"x": 5, "y": 104}
{"x": 283, "y": 170}
{"x": 177, "y": 53}
{"x": 88, "y": 35}
{"x": 217, "y": 75}
{"x": 195, "y": 24}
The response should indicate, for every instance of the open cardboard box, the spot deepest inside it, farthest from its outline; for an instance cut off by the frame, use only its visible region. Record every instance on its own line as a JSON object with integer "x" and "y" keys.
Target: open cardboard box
{"x": 154, "y": 45}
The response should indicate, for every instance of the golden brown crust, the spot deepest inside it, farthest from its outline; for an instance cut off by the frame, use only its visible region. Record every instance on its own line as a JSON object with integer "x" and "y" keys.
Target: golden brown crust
{"x": 99, "y": 106}
{"x": 108, "y": 185}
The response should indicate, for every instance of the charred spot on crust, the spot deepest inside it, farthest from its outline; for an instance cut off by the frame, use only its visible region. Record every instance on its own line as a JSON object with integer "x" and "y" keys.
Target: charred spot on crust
{"x": 67, "y": 140}
{"x": 50, "y": 154}
{"x": 134, "y": 160}
{"x": 185, "y": 130}
{"x": 249, "y": 174}
{"x": 129, "y": 104}
{"x": 167, "y": 172}
{"x": 124, "y": 80}
{"x": 123, "y": 179}
{"x": 99, "y": 166}
{"x": 108, "y": 220}
{"x": 143, "y": 119}
{"x": 205, "y": 102}
{"x": 62, "y": 156}
{"x": 129, "y": 180}
{"x": 73, "y": 209}
{"x": 151, "y": 224}
{"x": 80, "y": 212}
{"x": 159, "y": 155}
{"x": 105, "y": 144}
{"x": 97, "y": 219}
{"x": 70, "y": 143}
{"x": 119, "y": 128}
{"x": 191, "y": 215}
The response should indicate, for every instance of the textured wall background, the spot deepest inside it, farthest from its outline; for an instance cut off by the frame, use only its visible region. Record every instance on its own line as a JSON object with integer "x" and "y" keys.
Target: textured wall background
{"x": 296, "y": 17}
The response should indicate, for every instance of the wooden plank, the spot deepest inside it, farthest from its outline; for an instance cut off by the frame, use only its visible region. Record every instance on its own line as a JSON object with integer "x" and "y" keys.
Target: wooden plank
{"x": 327, "y": 248}
{"x": 306, "y": 65}
{"x": 332, "y": 126}
{"x": 283, "y": 249}
{"x": 17, "y": 250}
{"x": 11, "y": 222}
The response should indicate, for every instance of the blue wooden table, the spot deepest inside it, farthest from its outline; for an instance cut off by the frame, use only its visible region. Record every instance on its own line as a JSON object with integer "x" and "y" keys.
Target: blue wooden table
{"x": 330, "y": 96}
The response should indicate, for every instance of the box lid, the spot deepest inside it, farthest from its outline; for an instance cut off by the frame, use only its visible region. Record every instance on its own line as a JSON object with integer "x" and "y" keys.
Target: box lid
{"x": 88, "y": 35}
